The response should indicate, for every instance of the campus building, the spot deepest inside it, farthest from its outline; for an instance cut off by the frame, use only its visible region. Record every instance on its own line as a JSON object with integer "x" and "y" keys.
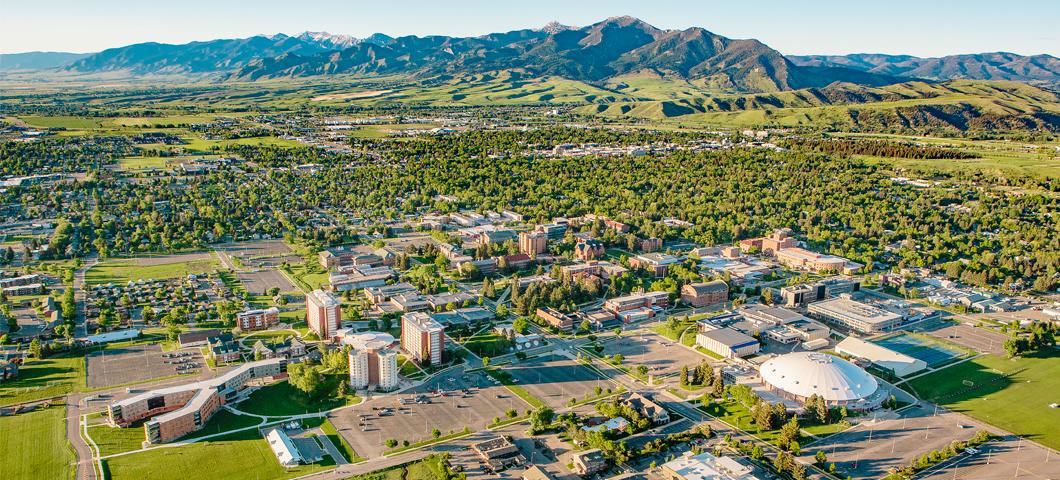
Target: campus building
{"x": 422, "y": 337}
{"x": 556, "y": 318}
{"x": 372, "y": 360}
{"x": 177, "y": 411}
{"x": 589, "y": 249}
{"x": 728, "y": 343}
{"x": 637, "y": 307}
{"x": 323, "y": 313}
{"x": 533, "y": 243}
{"x": 799, "y": 375}
{"x": 855, "y": 315}
{"x": 710, "y": 295}
{"x": 259, "y": 319}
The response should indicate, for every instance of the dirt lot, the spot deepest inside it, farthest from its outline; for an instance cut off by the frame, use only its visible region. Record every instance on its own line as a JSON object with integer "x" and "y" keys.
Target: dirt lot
{"x": 414, "y": 422}
{"x": 259, "y": 282}
{"x": 662, "y": 356}
{"x": 555, "y": 379}
{"x": 868, "y": 451}
{"x": 118, "y": 366}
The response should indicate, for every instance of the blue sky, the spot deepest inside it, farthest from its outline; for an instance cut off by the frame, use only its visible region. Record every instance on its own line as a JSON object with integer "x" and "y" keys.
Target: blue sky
{"x": 922, "y": 27}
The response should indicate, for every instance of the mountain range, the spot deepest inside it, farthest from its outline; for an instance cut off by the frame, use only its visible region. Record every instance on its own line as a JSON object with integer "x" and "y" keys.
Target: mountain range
{"x": 611, "y": 48}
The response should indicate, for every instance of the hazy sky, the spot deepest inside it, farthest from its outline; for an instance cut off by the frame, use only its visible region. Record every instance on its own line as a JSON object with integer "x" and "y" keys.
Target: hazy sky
{"x": 921, "y": 27}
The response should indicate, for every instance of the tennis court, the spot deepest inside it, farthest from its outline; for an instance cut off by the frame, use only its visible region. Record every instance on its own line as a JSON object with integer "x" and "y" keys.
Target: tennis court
{"x": 931, "y": 351}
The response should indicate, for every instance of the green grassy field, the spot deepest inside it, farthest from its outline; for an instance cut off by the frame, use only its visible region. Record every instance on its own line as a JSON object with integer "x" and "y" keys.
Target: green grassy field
{"x": 34, "y": 446}
{"x": 281, "y": 399}
{"x": 69, "y": 122}
{"x": 1013, "y": 394}
{"x": 142, "y": 163}
{"x": 124, "y": 270}
{"x": 432, "y": 467}
{"x": 239, "y": 455}
{"x": 333, "y": 434}
{"x": 488, "y": 344}
{"x": 46, "y": 378}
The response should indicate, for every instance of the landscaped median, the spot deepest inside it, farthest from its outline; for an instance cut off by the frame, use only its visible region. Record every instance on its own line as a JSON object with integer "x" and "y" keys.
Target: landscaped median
{"x": 506, "y": 379}
{"x": 439, "y": 439}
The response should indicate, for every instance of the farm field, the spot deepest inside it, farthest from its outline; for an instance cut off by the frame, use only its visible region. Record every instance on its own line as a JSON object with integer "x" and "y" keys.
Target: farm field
{"x": 239, "y": 455}
{"x": 171, "y": 266}
{"x": 1013, "y": 394}
{"x": 33, "y": 445}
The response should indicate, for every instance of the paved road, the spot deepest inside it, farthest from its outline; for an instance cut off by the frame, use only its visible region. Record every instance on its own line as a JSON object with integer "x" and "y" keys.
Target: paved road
{"x": 81, "y": 322}
{"x": 86, "y": 470}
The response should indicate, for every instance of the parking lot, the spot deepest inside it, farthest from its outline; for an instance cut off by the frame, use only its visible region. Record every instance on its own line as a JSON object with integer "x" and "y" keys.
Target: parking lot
{"x": 869, "y": 450}
{"x": 1009, "y": 457}
{"x": 555, "y": 379}
{"x": 662, "y": 356}
{"x": 119, "y": 366}
{"x": 259, "y": 282}
{"x": 414, "y": 422}
{"x": 965, "y": 335}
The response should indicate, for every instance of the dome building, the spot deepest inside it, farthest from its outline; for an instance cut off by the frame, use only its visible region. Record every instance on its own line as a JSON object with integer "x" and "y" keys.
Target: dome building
{"x": 798, "y": 375}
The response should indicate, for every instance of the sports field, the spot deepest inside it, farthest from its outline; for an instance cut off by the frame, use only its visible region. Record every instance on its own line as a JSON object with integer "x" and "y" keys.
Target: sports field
{"x": 33, "y": 445}
{"x": 932, "y": 351}
{"x": 239, "y": 455}
{"x": 157, "y": 268}
{"x": 1013, "y": 394}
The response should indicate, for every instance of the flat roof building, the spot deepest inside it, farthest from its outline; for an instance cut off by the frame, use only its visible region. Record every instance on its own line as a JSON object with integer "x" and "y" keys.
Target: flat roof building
{"x": 323, "y": 313}
{"x": 856, "y": 315}
{"x": 706, "y": 466}
{"x": 728, "y": 343}
{"x": 422, "y": 337}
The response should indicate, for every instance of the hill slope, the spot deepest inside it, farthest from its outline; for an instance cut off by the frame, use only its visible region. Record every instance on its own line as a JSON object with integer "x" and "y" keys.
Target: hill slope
{"x": 981, "y": 66}
{"x": 29, "y": 61}
{"x": 955, "y": 105}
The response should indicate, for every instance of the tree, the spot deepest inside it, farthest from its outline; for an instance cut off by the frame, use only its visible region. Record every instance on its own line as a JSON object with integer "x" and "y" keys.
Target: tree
{"x": 485, "y": 361}
{"x": 390, "y": 443}
{"x": 683, "y": 378}
{"x": 820, "y": 458}
{"x": 767, "y": 296}
{"x": 521, "y": 325}
{"x": 436, "y": 433}
{"x": 541, "y": 418}
{"x": 35, "y": 348}
{"x": 306, "y": 378}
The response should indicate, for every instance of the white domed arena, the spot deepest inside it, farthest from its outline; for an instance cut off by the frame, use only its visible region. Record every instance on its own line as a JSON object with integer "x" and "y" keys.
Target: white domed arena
{"x": 799, "y": 375}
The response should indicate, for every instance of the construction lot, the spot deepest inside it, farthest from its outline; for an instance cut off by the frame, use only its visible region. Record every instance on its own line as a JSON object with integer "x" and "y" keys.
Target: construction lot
{"x": 414, "y": 422}
{"x": 870, "y": 449}
{"x": 662, "y": 356}
{"x": 138, "y": 363}
{"x": 555, "y": 379}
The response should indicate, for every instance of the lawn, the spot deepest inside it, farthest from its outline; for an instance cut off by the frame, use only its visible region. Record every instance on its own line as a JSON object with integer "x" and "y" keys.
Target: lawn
{"x": 33, "y": 445}
{"x": 112, "y": 440}
{"x": 674, "y": 331}
{"x": 46, "y": 378}
{"x": 305, "y": 279}
{"x": 282, "y": 399}
{"x": 124, "y": 270}
{"x": 1013, "y": 394}
{"x": 69, "y": 122}
{"x": 431, "y": 467}
{"x": 488, "y": 344}
{"x": 239, "y": 455}
{"x": 268, "y": 337}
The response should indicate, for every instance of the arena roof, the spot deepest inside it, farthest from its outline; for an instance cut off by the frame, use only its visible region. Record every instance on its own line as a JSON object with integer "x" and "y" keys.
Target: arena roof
{"x": 806, "y": 373}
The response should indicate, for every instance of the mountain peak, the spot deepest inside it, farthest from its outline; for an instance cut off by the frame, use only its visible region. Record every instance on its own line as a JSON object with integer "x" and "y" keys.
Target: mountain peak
{"x": 328, "y": 39}
{"x": 554, "y": 27}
